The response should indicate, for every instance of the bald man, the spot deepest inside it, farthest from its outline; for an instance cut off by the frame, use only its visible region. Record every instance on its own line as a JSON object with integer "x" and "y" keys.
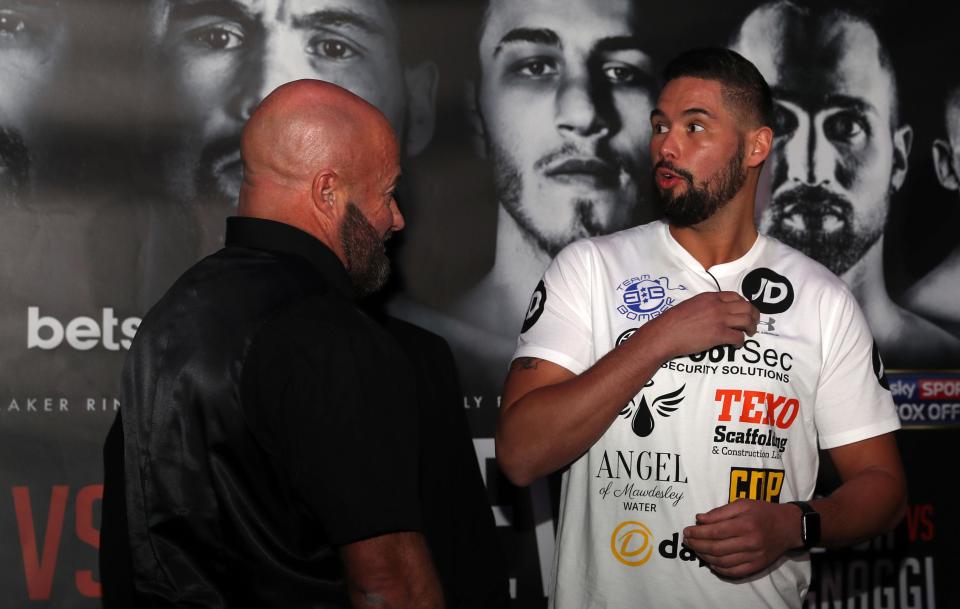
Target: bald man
{"x": 271, "y": 438}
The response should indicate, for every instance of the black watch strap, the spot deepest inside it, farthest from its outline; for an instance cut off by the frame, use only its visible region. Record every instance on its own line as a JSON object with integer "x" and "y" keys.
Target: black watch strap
{"x": 809, "y": 524}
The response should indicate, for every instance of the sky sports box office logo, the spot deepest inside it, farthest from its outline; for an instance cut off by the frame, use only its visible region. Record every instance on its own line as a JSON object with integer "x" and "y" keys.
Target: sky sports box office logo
{"x": 926, "y": 399}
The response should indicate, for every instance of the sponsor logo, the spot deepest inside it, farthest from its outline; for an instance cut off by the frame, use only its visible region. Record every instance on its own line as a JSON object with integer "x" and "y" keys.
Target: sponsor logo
{"x": 939, "y": 389}
{"x": 641, "y": 465}
{"x": 625, "y": 335}
{"x": 754, "y": 483}
{"x": 632, "y": 544}
{"x": 757, "y": 408}
{"x": 81, "y": 333}
{"x": 926, "y": 399}
{"x": 770, "y": 292}
{"x": 537, "y": 302}
{"x": 751, "y": 359}
{"x": 878, "y": 368}
{"x": 645, "y": 298}
{"x": 641, "y": 414}
{"x": 767, "y": 326}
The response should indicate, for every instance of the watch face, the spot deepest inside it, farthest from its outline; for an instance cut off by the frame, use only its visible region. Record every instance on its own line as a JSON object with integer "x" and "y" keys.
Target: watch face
{"x": 810, "y": 528}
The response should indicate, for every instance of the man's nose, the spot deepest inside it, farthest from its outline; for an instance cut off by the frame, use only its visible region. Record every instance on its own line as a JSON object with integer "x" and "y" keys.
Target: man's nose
{"x": 577, "y": 110}
{"x": 277, "y": 61}
{"x": 809, "y": 156}
{"x": 668, "y": 146}
{"x": 398, "y": 221}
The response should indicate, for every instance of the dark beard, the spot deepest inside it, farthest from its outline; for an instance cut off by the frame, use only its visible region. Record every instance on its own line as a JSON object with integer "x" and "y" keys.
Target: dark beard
{"x": 15, "y": 163}
{"x": 366, "y": 258}
{"x": 508, "y": 186}
{"x": 698, "y": 203}
{"x": 838, "y": 250}
{"x": 209, "y": 189}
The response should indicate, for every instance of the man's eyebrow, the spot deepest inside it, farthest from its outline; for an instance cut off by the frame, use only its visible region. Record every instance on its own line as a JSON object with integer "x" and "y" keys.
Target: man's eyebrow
{"x": 703, "y": 111}
{"x": 338, "y": 17}
{"x": 833, "y": 100}
{"x": 532, "y": 35}
{"x": 658, "y": 113}
{"x": 619, "y": 43}
{"x": 226, "y": 9}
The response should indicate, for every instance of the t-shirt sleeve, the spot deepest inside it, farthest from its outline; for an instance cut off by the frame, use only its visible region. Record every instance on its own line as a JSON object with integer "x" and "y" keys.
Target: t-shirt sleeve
{"x": 343, "y": 426}
{"x": 557, "y": 325}
{"x": 853, "y": 398}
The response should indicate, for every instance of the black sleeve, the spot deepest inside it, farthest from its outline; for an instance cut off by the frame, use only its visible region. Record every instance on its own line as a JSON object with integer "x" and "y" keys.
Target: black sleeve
{"x": 339, "y": 398}
{"x": 458, "y": 522}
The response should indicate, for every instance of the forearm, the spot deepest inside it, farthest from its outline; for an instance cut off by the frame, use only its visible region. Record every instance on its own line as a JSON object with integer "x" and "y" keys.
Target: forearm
{"x": 551, "y": 426}
{"x": 868, "y": 504}
{"x": 393, "y": 571}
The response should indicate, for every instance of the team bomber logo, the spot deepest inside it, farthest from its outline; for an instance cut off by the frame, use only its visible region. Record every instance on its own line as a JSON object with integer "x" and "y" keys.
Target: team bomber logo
{"x": 632, "y": 544}
{"x": 878, "y": 368}
{"x": 537, "y": 302}
{"x": 643, "y": 420}
{"x": 770, "y": 292}
{"x": 755, "y": 483}
{"x": 645, "y": 298}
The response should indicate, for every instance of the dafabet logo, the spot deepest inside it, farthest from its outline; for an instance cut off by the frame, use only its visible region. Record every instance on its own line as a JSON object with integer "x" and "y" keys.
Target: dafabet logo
{"x": 632, "y": 543}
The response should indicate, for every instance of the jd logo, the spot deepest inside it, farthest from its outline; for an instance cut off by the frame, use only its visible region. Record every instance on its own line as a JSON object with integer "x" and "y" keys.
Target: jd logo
{"x": 535, "y": 310}
{"x": 769, "y": 292}
{"x": 632, "y": 543}
{"x": 759, "y": 484}
{"x": 643, "y": 420}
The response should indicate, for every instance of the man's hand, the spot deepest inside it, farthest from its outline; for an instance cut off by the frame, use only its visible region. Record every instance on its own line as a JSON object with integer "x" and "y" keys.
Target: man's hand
{"x": 549, "y": 416}
{"x": 707, "y": 320}
{"x": 741, "y": 538}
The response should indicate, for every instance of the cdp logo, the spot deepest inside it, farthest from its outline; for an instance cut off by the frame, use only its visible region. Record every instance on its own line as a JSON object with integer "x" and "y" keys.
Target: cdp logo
{"x": 770, "y": 292}
{"x": 632, "y": 543}
{"x": 759, "y": 484}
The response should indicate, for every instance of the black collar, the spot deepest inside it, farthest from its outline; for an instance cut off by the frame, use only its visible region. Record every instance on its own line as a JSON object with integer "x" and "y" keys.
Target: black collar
{"x": 281, "y": 238}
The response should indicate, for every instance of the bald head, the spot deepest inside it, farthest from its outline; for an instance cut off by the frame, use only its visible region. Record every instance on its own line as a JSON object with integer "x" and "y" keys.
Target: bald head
{"x": 319, "y": 158}
{"x": 302, "y": 129}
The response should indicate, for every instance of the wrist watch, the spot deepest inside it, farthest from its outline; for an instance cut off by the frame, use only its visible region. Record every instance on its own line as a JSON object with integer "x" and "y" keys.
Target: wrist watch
{"x": 809, "y": 524}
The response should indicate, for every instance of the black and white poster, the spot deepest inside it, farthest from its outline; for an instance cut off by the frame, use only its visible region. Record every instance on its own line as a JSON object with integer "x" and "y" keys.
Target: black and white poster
{"x": 524, "y": 125}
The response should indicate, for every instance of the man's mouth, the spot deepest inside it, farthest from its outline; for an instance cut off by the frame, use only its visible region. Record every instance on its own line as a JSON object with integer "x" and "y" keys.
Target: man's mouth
{"x": 812, "y": 210}
{"x": 228, "y": 173}
{"x": 589, "y": 171}
{"x": 667, "y": 178}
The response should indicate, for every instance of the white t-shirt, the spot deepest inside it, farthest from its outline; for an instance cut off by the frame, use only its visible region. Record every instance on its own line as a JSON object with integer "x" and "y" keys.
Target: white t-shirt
{"x": 708, "y": 428}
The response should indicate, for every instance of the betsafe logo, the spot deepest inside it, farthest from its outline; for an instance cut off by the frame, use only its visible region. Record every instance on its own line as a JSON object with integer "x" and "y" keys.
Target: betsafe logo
{"x": 632, "y": 544}
{"x": 82, "y": 333}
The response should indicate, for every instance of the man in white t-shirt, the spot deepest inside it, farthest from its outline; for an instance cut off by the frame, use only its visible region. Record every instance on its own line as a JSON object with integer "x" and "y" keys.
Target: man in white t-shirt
{"x": 683, "y": 374}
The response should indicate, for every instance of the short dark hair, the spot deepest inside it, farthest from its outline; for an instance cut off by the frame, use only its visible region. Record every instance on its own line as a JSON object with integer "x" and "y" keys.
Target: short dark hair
{"x": 744, "y": 89}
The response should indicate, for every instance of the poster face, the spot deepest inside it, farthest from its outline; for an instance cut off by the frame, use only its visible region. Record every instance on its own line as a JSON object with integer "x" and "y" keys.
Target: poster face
{"x": 524, "y": 125}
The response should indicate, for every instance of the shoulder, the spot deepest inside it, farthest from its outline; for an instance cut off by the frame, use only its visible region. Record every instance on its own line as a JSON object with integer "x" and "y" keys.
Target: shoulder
{"x": 805, "y": 273}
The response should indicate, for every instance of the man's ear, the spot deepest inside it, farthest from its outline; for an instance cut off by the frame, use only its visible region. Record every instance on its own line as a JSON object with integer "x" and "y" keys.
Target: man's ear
{"x": 759, "y": 142}
{"x": 478, "y": 131}
{"x": 943, "y": 165}
{"x": 325, "y": 194}
{"x": 421, "y": 81}
{"x": 902, "y": 143}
